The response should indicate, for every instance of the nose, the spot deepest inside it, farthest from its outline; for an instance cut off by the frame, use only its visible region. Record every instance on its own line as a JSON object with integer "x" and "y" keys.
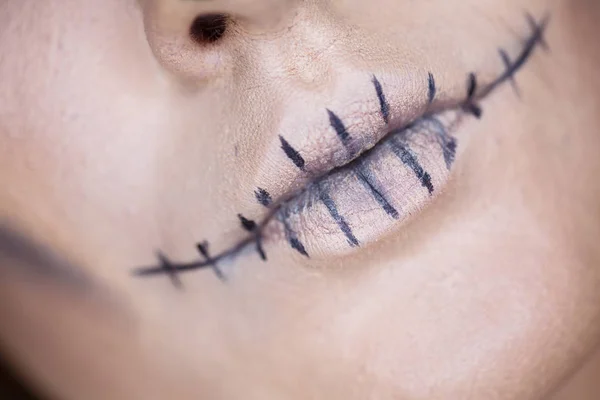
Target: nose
{"x": 291, "y": 40}
{"x": 183, "y": 33}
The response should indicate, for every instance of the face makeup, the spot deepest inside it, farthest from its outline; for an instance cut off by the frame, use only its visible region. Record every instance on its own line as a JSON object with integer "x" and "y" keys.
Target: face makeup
{"x": 355, "y": 176}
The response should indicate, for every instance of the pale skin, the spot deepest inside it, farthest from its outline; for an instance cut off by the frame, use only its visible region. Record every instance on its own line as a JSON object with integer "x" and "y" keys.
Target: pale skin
{"x": 120, "y": 136}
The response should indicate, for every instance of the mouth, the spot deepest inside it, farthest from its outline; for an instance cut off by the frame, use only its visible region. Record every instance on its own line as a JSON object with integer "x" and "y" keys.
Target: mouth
{"x": 355, "y": 175}
{"x": 379, "y": 183}
{"x": 334, "y": 135}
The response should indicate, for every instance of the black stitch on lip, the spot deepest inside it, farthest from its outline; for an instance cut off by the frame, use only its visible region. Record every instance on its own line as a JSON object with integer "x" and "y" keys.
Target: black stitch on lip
{"x": 341, "y": 222}
{"x": 365, "y": 176}
{"x": 431, "y": 89}
{"x": 406, "y": 156}
{"x": 247, "y": 224}
{"x": 449, "y": 151}
{"x": 263, "y": 197}
{"x": 298, "y": 246}
{"x": 469, "y": 105}
{"x": 447, "y": 142}
{"x": 203, "y": 249}
{"x": 507, "y": 65}
{"x": 383, "y": 104}
{"x": 337, "y": 124}
{"x": 292, "y": 153}
{"x": 471, "y": 86}
{"x": 291, "y": 235}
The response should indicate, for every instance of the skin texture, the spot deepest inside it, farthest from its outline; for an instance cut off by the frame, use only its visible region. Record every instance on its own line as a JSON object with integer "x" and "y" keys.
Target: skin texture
{"x": 119, "y": 136}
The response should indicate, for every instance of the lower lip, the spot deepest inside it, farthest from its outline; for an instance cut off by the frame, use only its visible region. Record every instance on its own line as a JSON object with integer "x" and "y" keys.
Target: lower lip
{"x": 371, "y": 196}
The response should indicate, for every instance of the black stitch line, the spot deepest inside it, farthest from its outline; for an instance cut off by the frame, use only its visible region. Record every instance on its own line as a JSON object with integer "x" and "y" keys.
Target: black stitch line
{"x": 298, "y": 246}
{"x": 506, "y": 60}
{"x": 291, "y": 235}
{"x": 471, "y": 86}
{"x": 246, "y": 223}
{"x": 364, "y": 175}
{"x": 406, "y": 156}
{"x": 469, "y": 105}
{"x": 530, "y": 44}
{"x": 263, "y": 197}
{"x": 259, "y": 247}
{"x": 250, "y": 226}
{"x": 203, "y": 249}
{"x": 169, "y": 269}
{"x": 447, "y": 142}
{"x": 292, "y": 153}
{"x": 383, "y": 104}
{"x": 341, "y": 222}
{"x": 431, "y": 88}
{"x": 208, "y": 262}
{"x": 337, "y": 124}
{"x": 474, "y": 109}
{"x": 538, "y": 29}
{"x": 449, "y": 151}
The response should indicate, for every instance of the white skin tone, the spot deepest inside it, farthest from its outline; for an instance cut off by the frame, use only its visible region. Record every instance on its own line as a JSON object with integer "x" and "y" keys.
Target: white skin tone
{"x": 120, "y": 136}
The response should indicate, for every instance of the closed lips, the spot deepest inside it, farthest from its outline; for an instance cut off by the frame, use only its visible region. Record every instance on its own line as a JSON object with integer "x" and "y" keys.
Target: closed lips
{"x": 347, "y": 173}
{"x": 356, "y": 170}
{"x": 380, "y": 187}
{"x": 386, "y": 178}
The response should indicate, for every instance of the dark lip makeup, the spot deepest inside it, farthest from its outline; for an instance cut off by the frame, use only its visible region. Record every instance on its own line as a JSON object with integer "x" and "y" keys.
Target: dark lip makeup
{"x": 369, "y": 188}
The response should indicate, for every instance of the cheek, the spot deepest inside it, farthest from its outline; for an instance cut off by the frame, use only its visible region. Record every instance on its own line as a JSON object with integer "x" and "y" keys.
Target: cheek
{"x": 477, "y": 308}
{"x": 493, "y": 290}
{"x": 84, "y": 137}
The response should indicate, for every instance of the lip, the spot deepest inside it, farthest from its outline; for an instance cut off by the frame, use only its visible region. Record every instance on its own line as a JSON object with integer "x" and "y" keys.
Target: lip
{"x": 328, "y": 146}
{"x": 313, "y": 128}
{"x": 360, "y": 202}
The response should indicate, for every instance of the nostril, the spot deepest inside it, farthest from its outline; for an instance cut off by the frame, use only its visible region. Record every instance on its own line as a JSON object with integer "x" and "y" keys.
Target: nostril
{"x": 208, "y": 28}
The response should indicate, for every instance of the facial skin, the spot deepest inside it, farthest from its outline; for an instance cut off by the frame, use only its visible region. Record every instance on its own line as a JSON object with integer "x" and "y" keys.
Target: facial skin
{"x": 121, "y": 136}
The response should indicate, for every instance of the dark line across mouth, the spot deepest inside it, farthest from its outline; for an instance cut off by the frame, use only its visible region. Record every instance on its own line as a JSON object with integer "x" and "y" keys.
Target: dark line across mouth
{"x": 474, "y": 95}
